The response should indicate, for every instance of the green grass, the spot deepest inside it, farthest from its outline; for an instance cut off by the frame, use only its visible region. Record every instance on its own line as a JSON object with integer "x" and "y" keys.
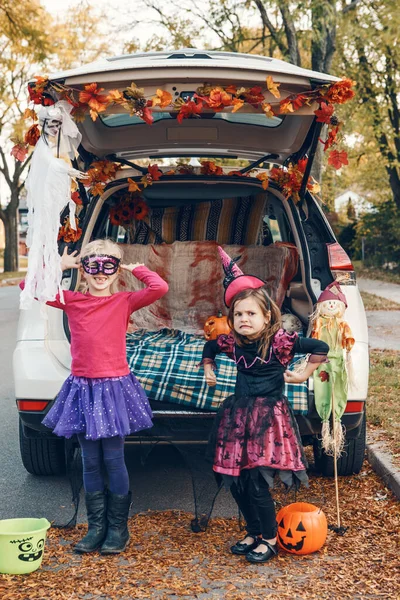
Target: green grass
{"x": 12, "y": 275}
{"x": 372, "y": 302}
{"x": 383, "y": 407}
{"x": 376, "y": 273}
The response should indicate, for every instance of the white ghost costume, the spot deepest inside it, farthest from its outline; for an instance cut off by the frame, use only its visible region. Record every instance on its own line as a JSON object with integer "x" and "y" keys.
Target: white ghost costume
{"x": 48, "y": 187}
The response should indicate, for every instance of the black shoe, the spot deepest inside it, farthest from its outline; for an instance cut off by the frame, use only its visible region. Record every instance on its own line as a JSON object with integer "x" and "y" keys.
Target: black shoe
{"x": 117, "y": 518}
{"x": 96, "y": 508}
{"x": 241, "y": 548}
{"x": 258, "y": 557}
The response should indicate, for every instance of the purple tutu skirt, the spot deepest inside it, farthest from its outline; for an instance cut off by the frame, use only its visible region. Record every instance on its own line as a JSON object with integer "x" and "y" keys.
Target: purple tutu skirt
{"x": 100, "y": 408}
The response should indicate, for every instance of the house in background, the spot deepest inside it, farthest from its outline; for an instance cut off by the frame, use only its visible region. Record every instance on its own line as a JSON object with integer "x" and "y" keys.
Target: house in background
{"x": 359, "y": 203}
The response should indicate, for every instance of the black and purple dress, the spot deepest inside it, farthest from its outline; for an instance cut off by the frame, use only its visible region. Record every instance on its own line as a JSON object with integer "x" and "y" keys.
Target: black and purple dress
{"x": 255, "y": 428}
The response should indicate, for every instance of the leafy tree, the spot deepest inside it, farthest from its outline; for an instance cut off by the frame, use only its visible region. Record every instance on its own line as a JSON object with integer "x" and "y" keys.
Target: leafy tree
{"x": 369, "y": 52}
{"x": 31, "y": 42}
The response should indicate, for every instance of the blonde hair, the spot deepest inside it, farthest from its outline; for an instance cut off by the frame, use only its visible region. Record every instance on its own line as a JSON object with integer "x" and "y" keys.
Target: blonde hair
{"x": 267, "y": 306}
{"x": 104, "y": 246}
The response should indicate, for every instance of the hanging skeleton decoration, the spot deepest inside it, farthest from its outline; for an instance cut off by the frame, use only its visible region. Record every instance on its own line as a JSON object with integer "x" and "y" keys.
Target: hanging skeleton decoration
{"x": 48, "y": 188}
{"x": 331, "y": 379}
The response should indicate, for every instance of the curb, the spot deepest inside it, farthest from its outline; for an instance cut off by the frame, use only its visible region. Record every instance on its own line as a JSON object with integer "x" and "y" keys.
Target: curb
{"x": 382, "y": 463}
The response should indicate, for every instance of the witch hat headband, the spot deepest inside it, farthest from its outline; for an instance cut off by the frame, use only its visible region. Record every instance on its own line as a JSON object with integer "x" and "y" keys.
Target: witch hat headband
{"x": 235, "y": 281}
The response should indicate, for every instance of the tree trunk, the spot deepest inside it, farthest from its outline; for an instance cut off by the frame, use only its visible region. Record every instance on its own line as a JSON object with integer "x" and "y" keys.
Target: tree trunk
{"x": 11, "y": 247}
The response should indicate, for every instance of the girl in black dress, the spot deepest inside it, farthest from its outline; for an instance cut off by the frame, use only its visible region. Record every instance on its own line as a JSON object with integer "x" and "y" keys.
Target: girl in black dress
{"x": 255, "y": 433}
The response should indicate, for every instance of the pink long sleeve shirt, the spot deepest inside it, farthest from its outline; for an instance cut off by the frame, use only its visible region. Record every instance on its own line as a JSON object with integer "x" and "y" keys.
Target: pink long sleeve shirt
{"x": 98, "y": 325}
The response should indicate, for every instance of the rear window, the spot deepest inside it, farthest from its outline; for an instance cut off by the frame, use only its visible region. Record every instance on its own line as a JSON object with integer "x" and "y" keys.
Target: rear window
{"x": 254, "y": 219}
{"x": 255, "y": 119}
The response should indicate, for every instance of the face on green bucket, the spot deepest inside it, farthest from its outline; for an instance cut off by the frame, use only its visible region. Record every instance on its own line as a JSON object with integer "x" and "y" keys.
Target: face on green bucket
{"x": 28, "y": 551}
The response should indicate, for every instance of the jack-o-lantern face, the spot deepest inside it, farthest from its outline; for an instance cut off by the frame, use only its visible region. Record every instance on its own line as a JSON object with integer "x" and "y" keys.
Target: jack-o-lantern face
{"x": 302, "y": 528}
{"x": 215, "y": 326}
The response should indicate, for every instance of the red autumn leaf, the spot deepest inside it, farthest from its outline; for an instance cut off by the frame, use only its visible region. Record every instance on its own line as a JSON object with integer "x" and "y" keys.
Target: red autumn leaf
{"x": 331, "y": 139}
{"x": 301, "y": 164}
{"x": 32, "y": 135}
{"x": 254, "y": 96}
{"x": 155, "y": 172}
{"x": 298, "y": 101}
{"x": 324, "y": 113}
{"x": 337, "y": 159}
{"x": 19, "y": 152}
{"x": 75, "y": 196}
{"x": 189, "y": 109}
{"x": 324, "y": 376}
{"x": 147, "y": 116}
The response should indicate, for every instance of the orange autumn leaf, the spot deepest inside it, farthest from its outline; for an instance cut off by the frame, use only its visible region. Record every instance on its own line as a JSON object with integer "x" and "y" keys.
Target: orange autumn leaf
{"x": 92, "y": 97}
{"x": 133, "y": 186}
{"x": 268, "y": 110}
{"x": 231, "y": 89}
{"x": 273, "y": 87}
{"x": 97, "y": 189}
{"x": 263, "y": 177}
{"x": 161, "y": 99}
{"x": 237, "y": 104}
{"x": 218, "y": 99}
{"x": 340, "y": 92}
{"x": 286, "y": 106}
{"x": 116, "y": 97}
{"x": 337, "y": 159}
{"x": 29, "y": 113}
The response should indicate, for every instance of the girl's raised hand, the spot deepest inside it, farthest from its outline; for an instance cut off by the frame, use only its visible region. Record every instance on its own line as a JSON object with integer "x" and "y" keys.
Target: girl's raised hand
{"x": 131, "y": 266}
{"x": 69, "y": 261}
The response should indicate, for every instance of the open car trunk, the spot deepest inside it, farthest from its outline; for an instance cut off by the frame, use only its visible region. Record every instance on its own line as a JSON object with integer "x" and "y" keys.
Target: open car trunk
{"x": 179, "y": 239}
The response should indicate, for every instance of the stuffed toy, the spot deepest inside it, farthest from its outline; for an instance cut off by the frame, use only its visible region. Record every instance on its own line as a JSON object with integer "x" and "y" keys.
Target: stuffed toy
{"x": 331, "y": 379}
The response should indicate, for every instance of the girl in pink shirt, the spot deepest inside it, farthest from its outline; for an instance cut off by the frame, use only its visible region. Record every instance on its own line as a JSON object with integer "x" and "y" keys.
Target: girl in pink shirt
{"x": 102, "y": 401}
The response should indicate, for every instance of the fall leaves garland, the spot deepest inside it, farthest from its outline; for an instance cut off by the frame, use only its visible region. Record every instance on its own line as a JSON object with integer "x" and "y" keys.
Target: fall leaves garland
{"x": 92, "y": 100}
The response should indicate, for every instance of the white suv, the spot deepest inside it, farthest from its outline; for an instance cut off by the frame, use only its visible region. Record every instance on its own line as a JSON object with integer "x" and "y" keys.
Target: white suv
{"x": 191, "y": 210}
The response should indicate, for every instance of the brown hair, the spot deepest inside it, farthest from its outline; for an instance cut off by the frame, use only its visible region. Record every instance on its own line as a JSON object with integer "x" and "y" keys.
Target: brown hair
{"x": 267, "y": 306}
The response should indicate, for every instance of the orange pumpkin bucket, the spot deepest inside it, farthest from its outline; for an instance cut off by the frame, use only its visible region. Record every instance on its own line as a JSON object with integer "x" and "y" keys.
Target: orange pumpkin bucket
{"x": 302, "y": 528}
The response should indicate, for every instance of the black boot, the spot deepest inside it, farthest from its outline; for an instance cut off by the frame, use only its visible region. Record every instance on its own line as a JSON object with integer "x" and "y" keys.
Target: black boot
{"x": 117, "y": 517}
{"x": 96, "y": 508}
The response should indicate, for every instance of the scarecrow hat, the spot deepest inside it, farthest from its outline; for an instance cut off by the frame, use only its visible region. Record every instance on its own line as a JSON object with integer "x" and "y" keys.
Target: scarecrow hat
{"x": 235, "y": 281}
{"x": 333, "y": 292}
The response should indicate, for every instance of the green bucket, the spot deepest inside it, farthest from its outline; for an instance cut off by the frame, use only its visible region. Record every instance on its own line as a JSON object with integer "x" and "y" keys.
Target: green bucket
{"x": 22, "y": 545}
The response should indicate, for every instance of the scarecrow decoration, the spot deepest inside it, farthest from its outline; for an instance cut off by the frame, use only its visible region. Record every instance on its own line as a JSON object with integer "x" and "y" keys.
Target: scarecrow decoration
{"x": 331, "y": 379}
{"x": 48, "y": 188}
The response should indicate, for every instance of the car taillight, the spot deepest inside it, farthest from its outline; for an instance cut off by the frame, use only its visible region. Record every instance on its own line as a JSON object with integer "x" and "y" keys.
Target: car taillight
{"x": 354, "y": 407}
{"x": 338, "y": 258}
{"x": 32, "y": 405}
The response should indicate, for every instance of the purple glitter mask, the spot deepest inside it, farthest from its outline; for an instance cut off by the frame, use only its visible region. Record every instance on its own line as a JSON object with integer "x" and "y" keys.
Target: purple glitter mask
{"x": 100, "y": 263}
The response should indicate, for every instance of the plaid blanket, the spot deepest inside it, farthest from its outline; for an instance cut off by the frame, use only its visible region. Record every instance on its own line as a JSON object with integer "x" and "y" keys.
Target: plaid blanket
{"x": 165, "y": 362}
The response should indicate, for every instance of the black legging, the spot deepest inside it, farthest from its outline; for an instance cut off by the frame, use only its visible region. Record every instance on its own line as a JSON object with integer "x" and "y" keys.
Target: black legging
{"x": 256, "y": 505}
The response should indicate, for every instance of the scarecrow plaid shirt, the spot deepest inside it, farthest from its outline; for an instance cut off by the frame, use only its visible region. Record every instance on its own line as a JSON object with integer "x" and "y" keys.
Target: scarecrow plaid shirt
{"x": 165, "y": 362}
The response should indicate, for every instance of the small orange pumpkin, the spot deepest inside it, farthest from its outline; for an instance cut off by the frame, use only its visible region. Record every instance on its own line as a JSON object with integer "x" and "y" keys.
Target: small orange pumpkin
{"x": 302, "y": 528}
{"x": 215, "y": 326}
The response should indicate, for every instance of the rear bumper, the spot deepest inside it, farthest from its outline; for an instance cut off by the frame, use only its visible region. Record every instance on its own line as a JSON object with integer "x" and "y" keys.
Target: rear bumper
{"x": 172, "y": 424}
